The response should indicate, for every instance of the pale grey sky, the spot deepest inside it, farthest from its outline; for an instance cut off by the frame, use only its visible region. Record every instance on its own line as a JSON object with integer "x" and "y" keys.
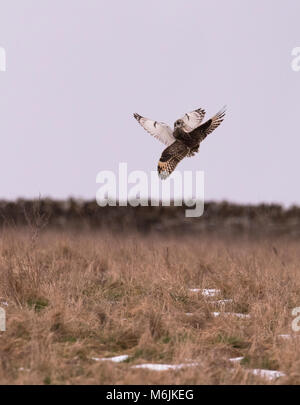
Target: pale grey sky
{"x": 78, "y": 69}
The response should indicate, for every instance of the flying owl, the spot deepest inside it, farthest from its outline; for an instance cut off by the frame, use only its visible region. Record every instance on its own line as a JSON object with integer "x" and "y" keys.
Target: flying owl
{"x": 184, "y": 140}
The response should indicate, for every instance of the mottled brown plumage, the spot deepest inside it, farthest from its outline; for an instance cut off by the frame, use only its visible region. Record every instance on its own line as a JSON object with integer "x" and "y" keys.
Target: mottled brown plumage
{"x": 184, "y": 141}
{"x": 170, "y": 158}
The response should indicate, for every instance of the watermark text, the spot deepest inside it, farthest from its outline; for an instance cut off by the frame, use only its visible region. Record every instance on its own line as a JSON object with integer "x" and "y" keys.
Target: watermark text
{"x": 296, "y": 59}
{"x": 2, "y": 320}
{"x": 2, "y": 59}
{"x": 144, "y": 189}
{"x": 296, "y": 321}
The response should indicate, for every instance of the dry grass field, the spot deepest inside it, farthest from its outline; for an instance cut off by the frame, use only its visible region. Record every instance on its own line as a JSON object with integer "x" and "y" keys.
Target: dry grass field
{"x": 76, "y": 296}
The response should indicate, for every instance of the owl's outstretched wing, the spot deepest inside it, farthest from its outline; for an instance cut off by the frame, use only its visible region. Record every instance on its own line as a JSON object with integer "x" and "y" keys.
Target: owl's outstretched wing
{"x": 170, "y": 158}
{"x": 209, "y": 126}
{"x": 193, "y": 119}
{"x": 159, "y": 130}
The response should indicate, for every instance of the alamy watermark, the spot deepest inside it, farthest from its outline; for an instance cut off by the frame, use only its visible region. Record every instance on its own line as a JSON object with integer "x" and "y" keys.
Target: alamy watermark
{"x": 2, "y": 59}
{"x": 296, "y": 321}
{"x": 144, "y": 189}
{"x": 2, "y": 320}
{"x": 295, "y": 64}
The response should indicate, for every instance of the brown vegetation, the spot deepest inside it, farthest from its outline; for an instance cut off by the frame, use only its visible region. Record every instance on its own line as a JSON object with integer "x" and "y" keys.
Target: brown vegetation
{"x": 221, "y": 218}
{"x": 76, "y": 295}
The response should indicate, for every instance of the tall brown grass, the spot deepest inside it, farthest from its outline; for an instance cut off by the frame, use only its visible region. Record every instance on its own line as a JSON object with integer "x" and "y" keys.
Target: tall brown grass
{"x": 74, "y": 296}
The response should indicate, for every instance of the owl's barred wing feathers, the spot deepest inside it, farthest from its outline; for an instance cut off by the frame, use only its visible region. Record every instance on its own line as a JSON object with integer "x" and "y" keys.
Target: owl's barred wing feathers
{"x": 193, "y": 119}
{"x": 170, "y": 158}
{"x": 209, "y": 126}
{"x": 177, "y": 149}
{"x": 159, "y": 130}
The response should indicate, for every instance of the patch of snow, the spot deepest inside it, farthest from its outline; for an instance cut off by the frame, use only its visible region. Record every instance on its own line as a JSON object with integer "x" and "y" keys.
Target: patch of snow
{"x": 215, "y": 314}
{"x": 236, "y": 359}
{"x": 207, "y": 292}
{"x": 222, "y": 301}
{"x": 268, "y": 374}
{"x": 164, "y": 367}
{"x": 285, "y": 336}
{"x": 115, "y": 359}
{"x": 210, "y": 292}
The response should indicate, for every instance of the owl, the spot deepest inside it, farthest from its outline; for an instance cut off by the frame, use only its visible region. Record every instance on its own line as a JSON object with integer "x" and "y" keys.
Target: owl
{"x": 184, "y": 140}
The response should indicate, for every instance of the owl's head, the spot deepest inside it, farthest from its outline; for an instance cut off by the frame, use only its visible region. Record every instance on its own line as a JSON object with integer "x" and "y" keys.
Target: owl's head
{"x": 178, "y": 124}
